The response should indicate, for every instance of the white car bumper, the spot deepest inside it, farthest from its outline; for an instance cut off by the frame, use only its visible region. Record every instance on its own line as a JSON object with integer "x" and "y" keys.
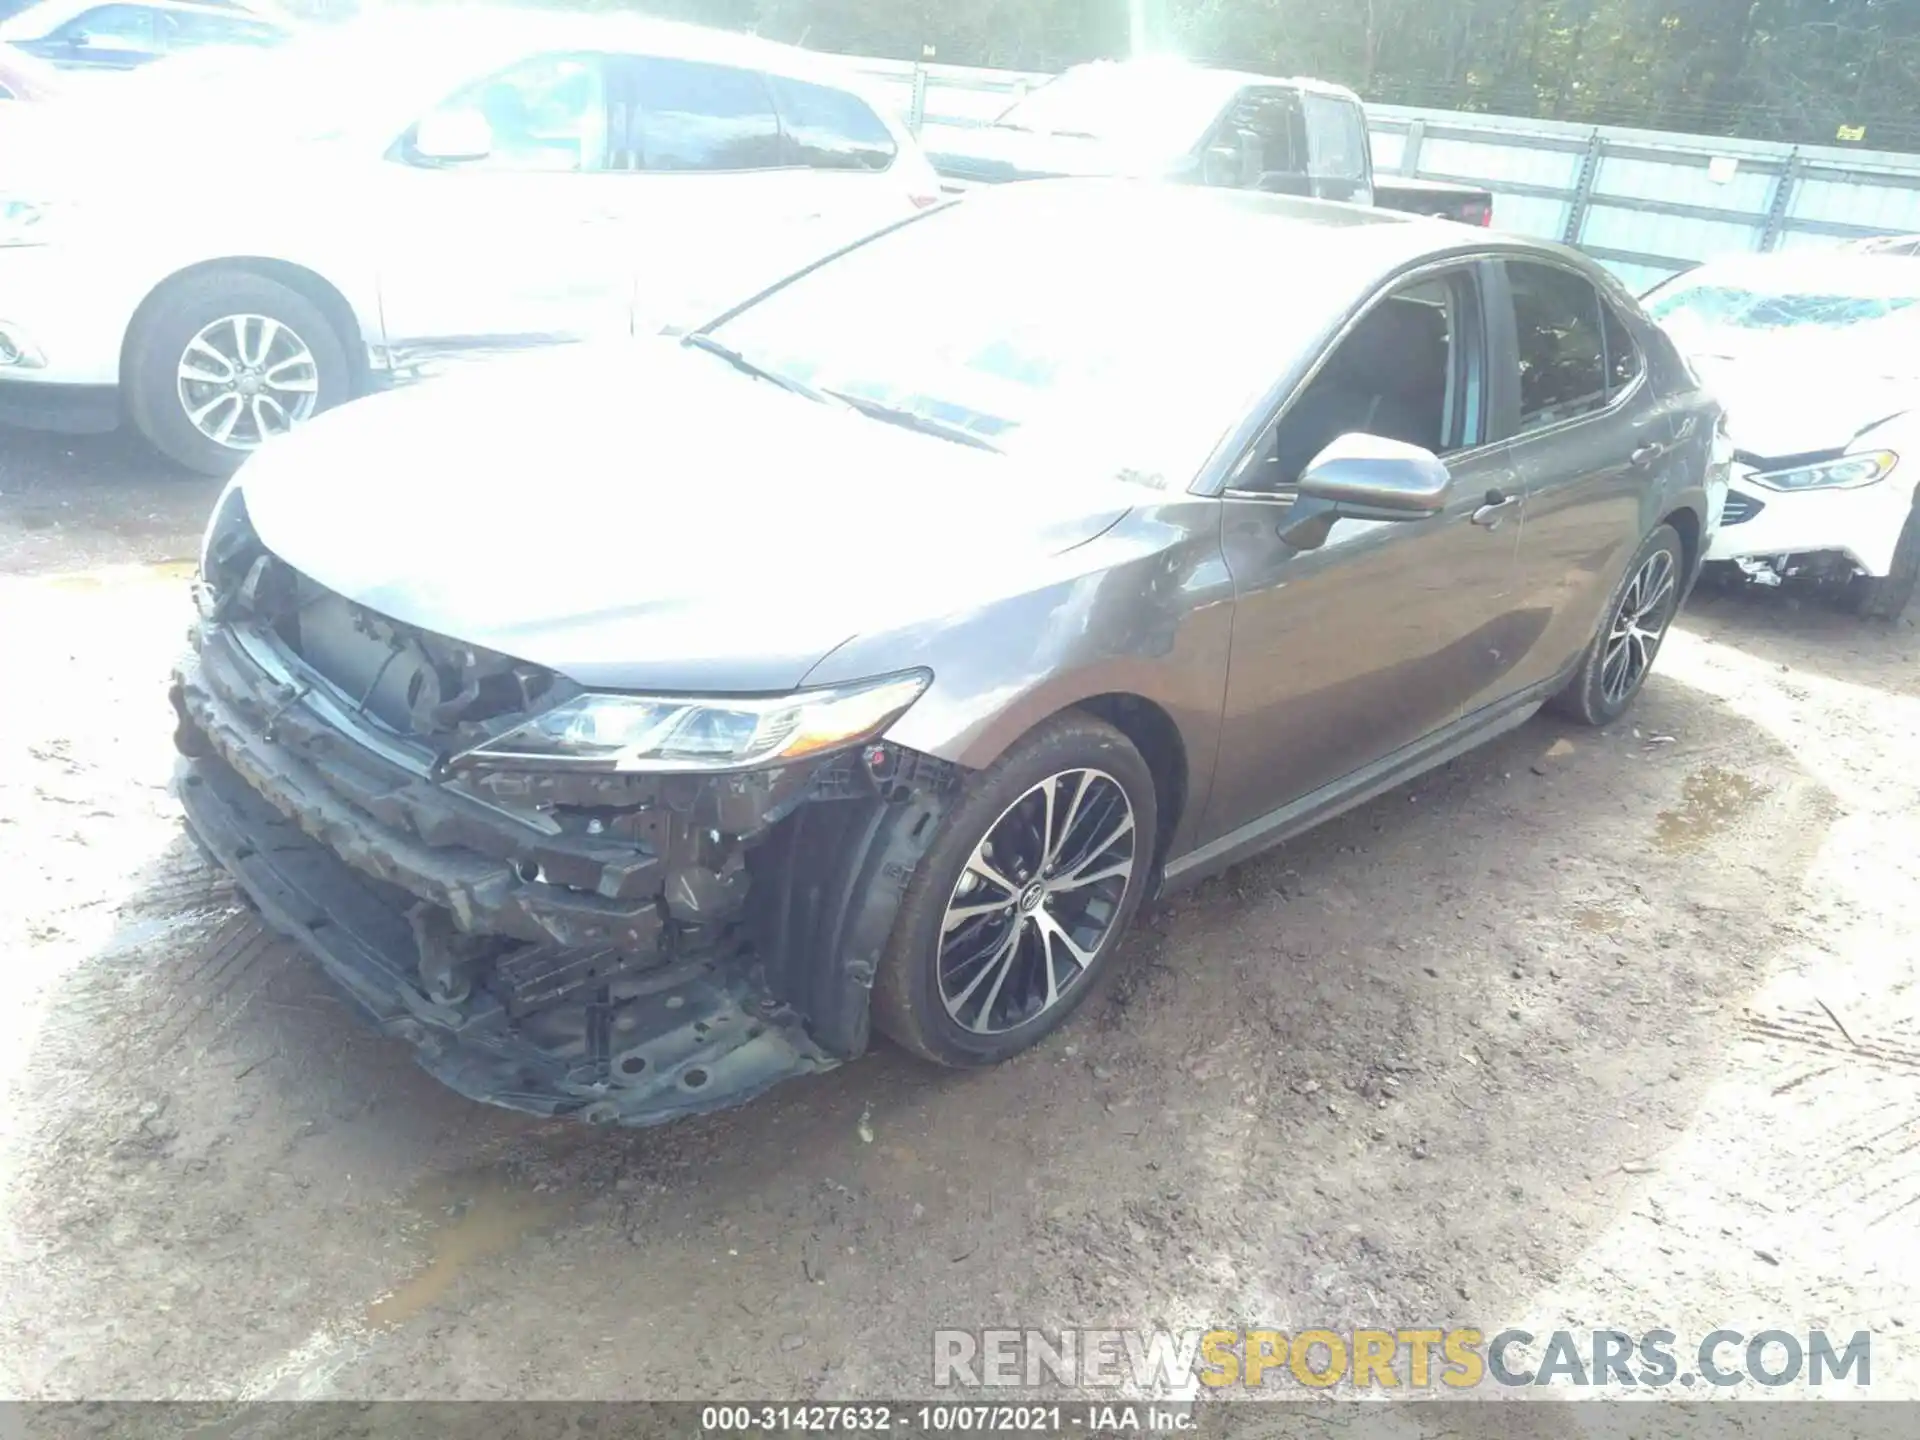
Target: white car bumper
{"x": 62, "y": 321}
{"x": 1863, "y": 524}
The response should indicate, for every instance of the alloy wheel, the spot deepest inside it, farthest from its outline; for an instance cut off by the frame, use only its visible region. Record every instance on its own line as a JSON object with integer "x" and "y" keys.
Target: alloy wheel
{"x": 1036, "y": 901}
{"x": 1638, "y": 625}
{"x": 246, "y": 378}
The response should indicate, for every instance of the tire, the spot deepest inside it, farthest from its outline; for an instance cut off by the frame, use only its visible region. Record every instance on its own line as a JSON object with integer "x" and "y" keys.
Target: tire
{"x": 1595, "y": 696}
{"x": 1886, "y": 597}
{"x": 1087, "y": 763}
{"x": 158, "y": 396}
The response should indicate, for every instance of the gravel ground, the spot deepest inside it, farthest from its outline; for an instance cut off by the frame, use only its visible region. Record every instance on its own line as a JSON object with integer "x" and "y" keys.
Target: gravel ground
{"x": 1588, "y": 1030}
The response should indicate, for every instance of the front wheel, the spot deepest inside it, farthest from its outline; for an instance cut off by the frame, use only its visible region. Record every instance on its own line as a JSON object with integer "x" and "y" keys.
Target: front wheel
{"x": 1022, "y": 898}
{"x": 1886, "y": 597}
{"x": 224, "y": 361}
{"x": 1615, "y": 665}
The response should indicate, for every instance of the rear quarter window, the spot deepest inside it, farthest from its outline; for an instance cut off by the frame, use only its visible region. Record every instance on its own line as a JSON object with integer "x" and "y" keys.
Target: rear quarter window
{"x": 829, "y": 129}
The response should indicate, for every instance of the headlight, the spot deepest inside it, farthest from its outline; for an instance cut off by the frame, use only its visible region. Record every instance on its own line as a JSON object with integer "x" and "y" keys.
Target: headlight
{"x": 1843, "y": 474}
{"x": 25, "y": 222}
{"x": 654, "y": 732}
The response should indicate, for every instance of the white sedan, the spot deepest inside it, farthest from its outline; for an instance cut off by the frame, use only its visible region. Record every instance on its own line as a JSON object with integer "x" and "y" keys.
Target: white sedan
{"x": 219, "y": 249}
{"x": 1817, "y": 359}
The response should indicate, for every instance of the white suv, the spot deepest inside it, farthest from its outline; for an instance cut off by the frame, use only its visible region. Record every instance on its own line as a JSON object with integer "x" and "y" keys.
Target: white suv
{"x": 223, "y": 246}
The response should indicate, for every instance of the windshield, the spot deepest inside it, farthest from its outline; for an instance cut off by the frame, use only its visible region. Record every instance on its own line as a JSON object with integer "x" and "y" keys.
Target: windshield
{"x": 1126, "y": 343}
{"x": 1169, "y": 104}
{"x": 1852, "y": 317}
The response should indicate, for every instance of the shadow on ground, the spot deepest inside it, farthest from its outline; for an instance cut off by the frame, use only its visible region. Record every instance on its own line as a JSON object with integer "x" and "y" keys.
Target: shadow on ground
{"x": 1804, "y": 628}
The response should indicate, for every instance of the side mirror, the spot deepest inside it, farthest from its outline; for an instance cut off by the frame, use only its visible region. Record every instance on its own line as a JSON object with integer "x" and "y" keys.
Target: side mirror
{"x": 453, "y": 136}
{"x": 1365, "y": 477}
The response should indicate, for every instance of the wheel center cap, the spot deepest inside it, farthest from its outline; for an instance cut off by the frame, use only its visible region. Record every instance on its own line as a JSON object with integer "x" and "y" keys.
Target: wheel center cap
{"x": 249, "y": 384}
{"x": 1031, "y": 897}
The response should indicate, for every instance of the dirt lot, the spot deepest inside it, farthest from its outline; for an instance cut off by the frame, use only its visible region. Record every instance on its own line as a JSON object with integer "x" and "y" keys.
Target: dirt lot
{"x": 1588, "y": 1030}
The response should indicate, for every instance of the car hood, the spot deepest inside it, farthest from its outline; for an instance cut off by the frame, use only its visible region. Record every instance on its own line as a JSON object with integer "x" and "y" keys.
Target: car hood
{"x": 988, "y": 155}
{"x": 1779, "y": 411}
{"x": 639, "y": 516}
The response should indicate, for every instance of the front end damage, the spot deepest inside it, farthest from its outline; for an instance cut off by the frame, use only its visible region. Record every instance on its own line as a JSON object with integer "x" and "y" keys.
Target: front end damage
{"x": 621, "y": 947}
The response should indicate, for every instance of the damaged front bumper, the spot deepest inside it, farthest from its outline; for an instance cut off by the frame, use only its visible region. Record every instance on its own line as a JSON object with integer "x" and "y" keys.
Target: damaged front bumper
{"x": 688, "y": 1037}
{"x": 707, "y": 938}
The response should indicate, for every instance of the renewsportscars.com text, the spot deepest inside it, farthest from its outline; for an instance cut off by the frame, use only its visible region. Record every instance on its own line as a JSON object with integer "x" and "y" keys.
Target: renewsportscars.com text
{"x": 1413, "y": 1359}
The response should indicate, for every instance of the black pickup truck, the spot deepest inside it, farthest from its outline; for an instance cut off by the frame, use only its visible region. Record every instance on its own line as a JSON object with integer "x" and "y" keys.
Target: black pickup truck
{"x": 1191, "y": 122}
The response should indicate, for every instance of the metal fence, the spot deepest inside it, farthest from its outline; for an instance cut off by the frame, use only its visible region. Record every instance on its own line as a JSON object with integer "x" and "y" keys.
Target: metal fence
{"x": 1645, "y": 202}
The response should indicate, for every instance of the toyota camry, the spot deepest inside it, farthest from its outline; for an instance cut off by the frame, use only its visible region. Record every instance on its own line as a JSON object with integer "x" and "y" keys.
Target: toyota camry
{"x": 633, "y": 727}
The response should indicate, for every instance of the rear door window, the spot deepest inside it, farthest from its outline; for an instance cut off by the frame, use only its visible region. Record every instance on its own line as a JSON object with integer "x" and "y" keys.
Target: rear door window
{"x": 1563, "y": 358}
{"x": 828, "y": 129}
{"x": 693, "y": 116}
{"x": 184, "y": 29}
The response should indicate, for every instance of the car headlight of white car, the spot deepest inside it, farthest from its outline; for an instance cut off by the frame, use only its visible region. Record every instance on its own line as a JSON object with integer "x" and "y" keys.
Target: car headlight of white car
{"x": 1847, "y": 473}
{"x": 661, "y": 733}
{"x": 26, "y": 222}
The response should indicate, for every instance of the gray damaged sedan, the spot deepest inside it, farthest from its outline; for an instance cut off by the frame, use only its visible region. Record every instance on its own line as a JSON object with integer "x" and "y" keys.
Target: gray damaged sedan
{"x": 633, "y": 728}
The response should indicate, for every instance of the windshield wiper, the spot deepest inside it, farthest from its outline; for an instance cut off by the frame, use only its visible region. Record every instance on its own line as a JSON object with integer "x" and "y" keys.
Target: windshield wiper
{"x": 1011, "y": 125}
{"x": 699, "y": 340}
{"x": 914, "y": 420}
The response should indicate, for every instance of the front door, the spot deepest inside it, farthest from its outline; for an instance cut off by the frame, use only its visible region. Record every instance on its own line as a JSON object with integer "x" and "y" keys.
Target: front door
{"x": 524, "y": 246}
{"x": 1347, "y": 653}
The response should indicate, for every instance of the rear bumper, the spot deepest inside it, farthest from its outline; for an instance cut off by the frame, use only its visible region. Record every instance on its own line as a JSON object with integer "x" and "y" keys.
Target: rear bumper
{"x": 701, "y": 1037}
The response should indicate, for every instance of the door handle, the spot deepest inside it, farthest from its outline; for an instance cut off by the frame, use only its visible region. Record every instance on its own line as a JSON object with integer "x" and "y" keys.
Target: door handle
{"x": 1647, "y": 454}
{"x": 1494, "y": 509}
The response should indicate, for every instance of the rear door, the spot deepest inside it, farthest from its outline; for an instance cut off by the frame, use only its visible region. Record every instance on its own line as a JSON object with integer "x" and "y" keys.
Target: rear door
{"x": 1346, "y": 654}
{"x": 1584, "y": 423}
{"x": 710, "y": 195}
{"x": 856, "y": 177}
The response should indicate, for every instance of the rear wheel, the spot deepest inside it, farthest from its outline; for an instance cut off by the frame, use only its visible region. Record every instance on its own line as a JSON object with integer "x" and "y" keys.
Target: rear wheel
{"x": 1617, "y": 662}
{"x": 226, "y": 360}
{"x": 1886, "y": 597}
{"x": 1022, "y": 898}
